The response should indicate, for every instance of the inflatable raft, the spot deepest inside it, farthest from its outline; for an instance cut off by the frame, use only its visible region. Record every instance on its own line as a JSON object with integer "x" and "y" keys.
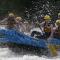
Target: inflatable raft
{"x": 12, "y": 36}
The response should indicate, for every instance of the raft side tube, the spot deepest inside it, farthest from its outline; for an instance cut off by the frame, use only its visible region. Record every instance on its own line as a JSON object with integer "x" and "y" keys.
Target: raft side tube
{"x": 13, "y": 36}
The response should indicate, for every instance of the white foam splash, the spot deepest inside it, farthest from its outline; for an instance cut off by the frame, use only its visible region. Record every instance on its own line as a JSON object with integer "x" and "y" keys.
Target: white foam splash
{"x": 6, "y": 54}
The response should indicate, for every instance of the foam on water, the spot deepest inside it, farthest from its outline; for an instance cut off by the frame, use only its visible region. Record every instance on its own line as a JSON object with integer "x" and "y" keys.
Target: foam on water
{"x": 6, "y": 54}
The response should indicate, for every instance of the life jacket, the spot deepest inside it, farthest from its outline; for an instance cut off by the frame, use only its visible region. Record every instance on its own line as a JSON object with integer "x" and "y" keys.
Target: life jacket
{"x": 11, "y": 22}
{"x": 47, "y": 28}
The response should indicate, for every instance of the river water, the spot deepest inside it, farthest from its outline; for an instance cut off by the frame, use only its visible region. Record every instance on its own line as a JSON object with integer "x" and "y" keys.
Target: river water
{"x": 7, "y": 54}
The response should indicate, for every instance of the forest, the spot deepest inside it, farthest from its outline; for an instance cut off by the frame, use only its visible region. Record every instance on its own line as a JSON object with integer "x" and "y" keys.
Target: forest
{"x": 18, "y": 6}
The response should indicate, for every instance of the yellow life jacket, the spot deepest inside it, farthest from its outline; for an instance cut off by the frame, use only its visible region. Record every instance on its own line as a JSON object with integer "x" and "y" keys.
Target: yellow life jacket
{"x": 47, "y": 29}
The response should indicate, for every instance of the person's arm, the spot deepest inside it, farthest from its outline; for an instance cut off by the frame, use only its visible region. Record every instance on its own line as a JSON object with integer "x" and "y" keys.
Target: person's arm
{"x": 41, "y": 24}
{"x": 2, "y": 21}
{"x": 52, "y": 32}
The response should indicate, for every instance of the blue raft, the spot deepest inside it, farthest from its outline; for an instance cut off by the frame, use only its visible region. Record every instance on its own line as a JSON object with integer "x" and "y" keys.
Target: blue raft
{"x": 12, "y": 36}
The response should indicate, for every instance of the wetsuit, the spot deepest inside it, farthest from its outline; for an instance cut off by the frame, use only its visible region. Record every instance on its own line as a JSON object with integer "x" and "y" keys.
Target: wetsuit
{"x": 57, "y": 33}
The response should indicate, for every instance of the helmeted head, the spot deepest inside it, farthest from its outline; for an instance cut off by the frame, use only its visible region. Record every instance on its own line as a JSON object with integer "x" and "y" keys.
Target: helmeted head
{"x": 58, "y": 22}
{"x": 47, "y": 18}
{"x": 59, "y": 15}
{"x": 11, "y": 15}
{"x": 18, "y": 19}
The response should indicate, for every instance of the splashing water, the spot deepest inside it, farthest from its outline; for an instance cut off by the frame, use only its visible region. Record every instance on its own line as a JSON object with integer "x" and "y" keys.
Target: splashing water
{"x": 36, "y": 12}
{"x": 39, "y": 9}
{"x": 6, "y": 54}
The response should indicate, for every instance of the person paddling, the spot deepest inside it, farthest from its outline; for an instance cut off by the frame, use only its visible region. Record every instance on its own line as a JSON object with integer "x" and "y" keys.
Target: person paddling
{"x": 46, "y": 26}
{"x": 11, "y": 21}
